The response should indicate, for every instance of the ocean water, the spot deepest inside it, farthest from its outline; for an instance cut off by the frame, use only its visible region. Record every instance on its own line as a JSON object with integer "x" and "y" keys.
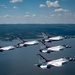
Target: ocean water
{"x": 21, "y": 61}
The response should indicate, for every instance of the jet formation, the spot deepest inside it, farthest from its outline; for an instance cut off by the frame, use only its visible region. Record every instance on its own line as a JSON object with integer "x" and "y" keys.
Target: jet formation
{"x": 43, "y": 62}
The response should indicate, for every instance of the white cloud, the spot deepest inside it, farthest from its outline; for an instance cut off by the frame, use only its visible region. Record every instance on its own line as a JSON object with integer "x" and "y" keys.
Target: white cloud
{"x": 61, "y": 10}
{"x": 14, "y": 7}
{"x": 42, "y": 19}
{"x": 27, "y": 16}
{"x": 52, "y": 4}
{"x": 15, "y": 1}
{"x": 27, "y": 12}
{"x": 42, "y": 5}
{"x": 7, "y": 16}
{"x": 3, "y": 6}
{"x": 33, "y": 15}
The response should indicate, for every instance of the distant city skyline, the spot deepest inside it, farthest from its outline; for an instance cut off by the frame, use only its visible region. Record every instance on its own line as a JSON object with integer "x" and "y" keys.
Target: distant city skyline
{"x": 37, "y": 12}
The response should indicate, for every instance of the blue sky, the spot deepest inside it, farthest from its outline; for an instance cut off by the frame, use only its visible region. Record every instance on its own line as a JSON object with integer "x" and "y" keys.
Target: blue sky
{"x": 37, "y": 11}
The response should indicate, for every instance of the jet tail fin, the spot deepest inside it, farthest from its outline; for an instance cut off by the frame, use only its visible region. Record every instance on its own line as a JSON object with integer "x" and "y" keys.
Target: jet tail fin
{"x": 22, "y": 39}
{"x": 43, "y": 45}
{"x": 41, "y": 58}
{"x": 45, "y": 35}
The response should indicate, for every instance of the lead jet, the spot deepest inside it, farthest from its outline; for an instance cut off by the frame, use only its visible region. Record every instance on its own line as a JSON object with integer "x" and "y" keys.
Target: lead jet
{"x": 48, "y": 49}
{"x": 6, "y": 48}
{"x": 48, "y": 38}
{"x": 47, "y": 64}
{"x": 27, "y": 43}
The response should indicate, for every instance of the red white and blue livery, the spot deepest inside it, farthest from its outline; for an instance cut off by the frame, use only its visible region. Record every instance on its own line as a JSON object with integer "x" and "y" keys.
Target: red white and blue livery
{"x": 27, "y": 43}
{"x": 48, "y": 38}
{"x": 48, "y": 49}
{"x": 47, "y": 64}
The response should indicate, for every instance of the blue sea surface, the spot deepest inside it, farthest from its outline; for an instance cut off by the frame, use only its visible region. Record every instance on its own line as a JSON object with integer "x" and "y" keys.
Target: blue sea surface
{"x": 20, "y": 61}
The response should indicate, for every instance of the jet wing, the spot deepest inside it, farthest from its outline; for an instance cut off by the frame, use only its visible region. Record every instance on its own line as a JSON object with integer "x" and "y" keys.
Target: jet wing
{"x": 7, "y": 48}
{"x": 57, "y": 64}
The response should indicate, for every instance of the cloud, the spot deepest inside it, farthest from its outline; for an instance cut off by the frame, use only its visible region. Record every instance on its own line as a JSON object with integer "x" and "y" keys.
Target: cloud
{"x": 3, "y": 6}
{"x": 52, "y": 4}
{"x": 42, "y": 19}
{"x": 7, "y": 16}
{"x": 61, "y": 10}
{"x": 15, "y": 1}
{"x": 29, "y": 16}
{"x": 42, "y": 5}
{"x": 27, "y": 12}
{"x": 33, "y": 15}
{"x": 14, "y": 7}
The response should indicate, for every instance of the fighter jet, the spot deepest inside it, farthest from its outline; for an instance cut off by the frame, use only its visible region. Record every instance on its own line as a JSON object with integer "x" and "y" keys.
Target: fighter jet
{"x": 27, "y": 43}
{"x": 6, "y": 48}
{"x": 47, "y": 64}
{"x": 48, "y": 38}
{"x": 48, "y": 49}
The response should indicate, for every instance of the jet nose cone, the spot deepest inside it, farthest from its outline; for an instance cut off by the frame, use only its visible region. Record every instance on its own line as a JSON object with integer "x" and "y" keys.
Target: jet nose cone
{"x": 38, "y": 65}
